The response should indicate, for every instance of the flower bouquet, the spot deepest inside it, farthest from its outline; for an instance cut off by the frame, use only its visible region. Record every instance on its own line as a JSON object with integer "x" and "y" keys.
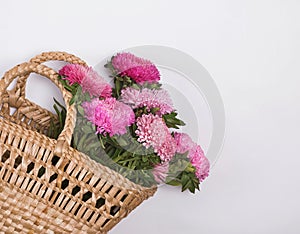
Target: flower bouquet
{"x": 132, "y": 126}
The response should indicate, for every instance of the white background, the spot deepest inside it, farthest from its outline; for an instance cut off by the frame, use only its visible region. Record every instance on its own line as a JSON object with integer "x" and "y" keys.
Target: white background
{"x": 252, "y": 50}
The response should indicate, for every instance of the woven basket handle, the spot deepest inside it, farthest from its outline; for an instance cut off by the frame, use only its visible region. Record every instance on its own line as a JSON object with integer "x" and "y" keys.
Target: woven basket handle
{"x": 44, "y": 57}
{"x": 23, "y": 70}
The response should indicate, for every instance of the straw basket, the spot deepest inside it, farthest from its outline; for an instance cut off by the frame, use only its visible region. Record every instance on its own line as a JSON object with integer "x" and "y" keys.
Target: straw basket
{"x": 46, "y": 186}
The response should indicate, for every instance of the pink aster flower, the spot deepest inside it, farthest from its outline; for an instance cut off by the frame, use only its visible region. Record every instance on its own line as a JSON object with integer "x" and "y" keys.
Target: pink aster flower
{"x": 110, "y": 116}
{"x": 160, "y": 172}
{"x": 200, "y": 162}
{"x": 148, "y": 97}
{"x": 184, "y": 142}
{"x": 74, "y": 73}
{"x": 138, "y": 69}
{"x": 87, "y": 78}
{"x": 152, "y": 131}
{"x": 195, "y": 154}
{"x": 95, "y": 85}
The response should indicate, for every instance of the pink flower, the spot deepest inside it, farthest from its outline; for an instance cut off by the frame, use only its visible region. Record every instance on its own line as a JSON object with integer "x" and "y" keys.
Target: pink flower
{"x": 74, "y": 73}
{"x": 95, "y": 85}
{"x": 200, "y": 162}
{"x": 138, "y": 69}
{"x": 160, "y": 172}
{"x": 87, "y": 78}
{"x": 184, "y": 142}
{"x": 109, "y": 115}
{"x": 168, "y": 149}
{"x": 148, "y": 97}
{"x": 152, "y": 131}
{"x": 195, "y": 154}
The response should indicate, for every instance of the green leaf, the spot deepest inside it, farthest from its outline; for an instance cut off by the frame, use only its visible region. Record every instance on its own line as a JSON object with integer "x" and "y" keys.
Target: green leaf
{"x": 174, "y": 182}
{"x": 144, "y": 158}
{"x": 80, "y": 110}
{"x": 59, "y": 104}
{"x": 87, "y": 129}
{"x": 185, "y": 179}
{"x": 189, "y": 181}
{"x": 51, "y": 131}
{"x": 172, "y": 121}
{"x": 118, "y": 86}
{"x": 154, "y": 110}
{"x": 122, "y": 142}
{"x": 135, "y": 86}
{"x": 72, "y": 101}
{"x": 82, "y": 142}
{"x": 101, "y": 142}
{"x": 109, "y": 66}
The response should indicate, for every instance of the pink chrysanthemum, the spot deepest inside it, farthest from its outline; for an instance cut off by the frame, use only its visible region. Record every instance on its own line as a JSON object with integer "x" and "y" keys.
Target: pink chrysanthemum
{"x": 152, "y": 131}
{"x": 110, "y": 116}
{"x": 87, "y": 78}
{"x": 138, "y": 69}
{"x": 168, "y": 149}
{"x": 160, "y": 172}
{"x": 195, "y": 154}
{"x": 148, "y": 97}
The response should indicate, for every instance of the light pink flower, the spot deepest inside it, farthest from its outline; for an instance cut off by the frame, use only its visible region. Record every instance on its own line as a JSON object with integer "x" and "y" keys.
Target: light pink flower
{"x": 200, "y": 162}
{"x": 95, "y": 85}
{"x": 168, "y": 149}
{"x": 195, "y": 154}
{"x": 160, "y": 172}
{"x": 184, "y": 142}
{"x": 138, "y": 69}
{"x": 152, "y": 131}
{"x": 87, "y": 78}
{"x": 151, "y": 98}
{"x": 110, "y": 116}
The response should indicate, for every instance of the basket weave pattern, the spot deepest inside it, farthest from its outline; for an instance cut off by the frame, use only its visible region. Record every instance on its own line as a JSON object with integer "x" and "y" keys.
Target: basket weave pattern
{"x": 45, "y": 185}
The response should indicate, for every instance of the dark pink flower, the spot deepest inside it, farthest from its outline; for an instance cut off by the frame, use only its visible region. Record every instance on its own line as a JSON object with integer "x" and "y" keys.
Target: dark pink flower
{"x": 74, "y": 73}
{"x": 87, "y": 78}
{"x": 110, "y": 116}
{"x": 138, "y": 69}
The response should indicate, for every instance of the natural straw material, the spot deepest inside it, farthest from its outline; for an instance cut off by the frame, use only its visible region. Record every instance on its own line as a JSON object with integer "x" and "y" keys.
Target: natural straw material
{"x": 45, "y": 185}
